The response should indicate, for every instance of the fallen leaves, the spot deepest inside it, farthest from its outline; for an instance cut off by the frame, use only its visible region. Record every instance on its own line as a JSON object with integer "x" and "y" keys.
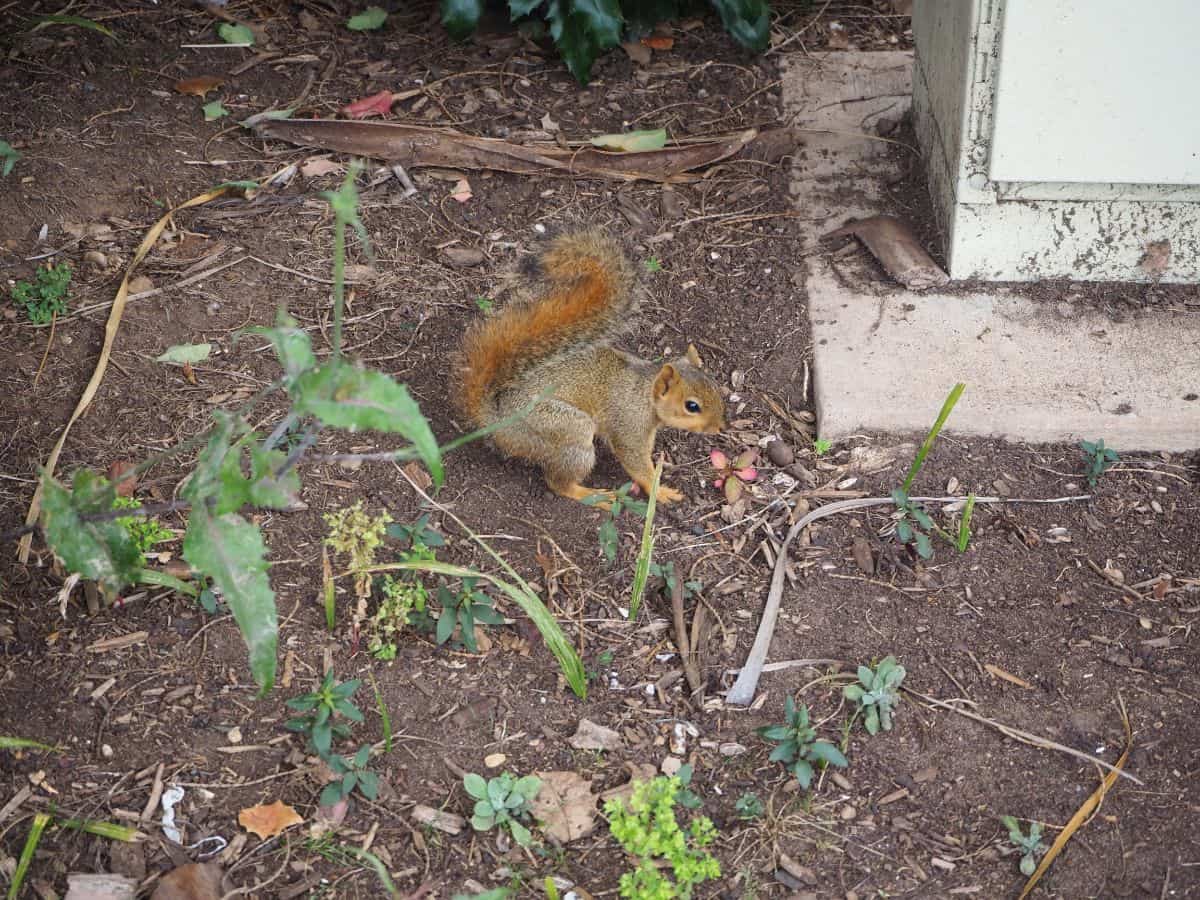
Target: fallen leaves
{"x": 268, "y": 820}
{"x": 194, "y": 881}
{"x": 632, "y": 141}
{"x": 590, "y": 736}
{"x": 379, "y": 104}
{"x": 565, "y": 807}
{"x": 200, "y": 86}
{"x": 316, "y": 166}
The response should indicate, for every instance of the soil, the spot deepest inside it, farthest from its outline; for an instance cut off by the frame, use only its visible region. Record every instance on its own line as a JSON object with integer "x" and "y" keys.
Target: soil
{"x": 1056, "y": 618}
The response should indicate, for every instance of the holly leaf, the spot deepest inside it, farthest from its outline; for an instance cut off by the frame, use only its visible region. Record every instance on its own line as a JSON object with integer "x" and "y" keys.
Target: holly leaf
{"x": 370, "y": 19}
{"x": 345, "y": 396}
{"x": 461, "y": 16}
{"x": 581, "y": 29}
{"x": 230, "y": 550}
{"x": 748, "y": 21}
{"x": 100, "y": 551}
{"x": 632, "y": 141}
{"x": 235, "y": 34}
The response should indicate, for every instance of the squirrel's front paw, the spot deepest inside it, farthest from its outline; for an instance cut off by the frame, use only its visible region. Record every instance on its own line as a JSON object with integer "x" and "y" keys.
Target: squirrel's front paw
{"x": 668, "y": 495}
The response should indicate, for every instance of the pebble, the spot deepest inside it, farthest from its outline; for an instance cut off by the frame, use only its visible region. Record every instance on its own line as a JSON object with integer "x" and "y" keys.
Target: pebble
{"x": 952, "y": 485}
{"x": 1001, "y": 487}
{"x": 848, "y": 812}
{"x": 96, "y": 258}
{"x": 731, "y": 748}
{"x": 780, "y": 453}
{"x": 671, "y": 766}
{"x": 106, "y": 751}
{"x": 495, "y": 760}
{"x": 234, "y": 735}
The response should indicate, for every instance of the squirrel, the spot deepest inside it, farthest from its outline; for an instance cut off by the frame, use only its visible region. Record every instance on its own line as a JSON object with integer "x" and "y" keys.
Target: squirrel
{"x": 554, "y": 343}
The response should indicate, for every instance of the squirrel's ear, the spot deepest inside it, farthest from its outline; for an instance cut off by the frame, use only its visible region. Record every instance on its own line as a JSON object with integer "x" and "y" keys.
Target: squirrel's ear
{"x": 667, "y": 378}
{"x": 693, "y": 357}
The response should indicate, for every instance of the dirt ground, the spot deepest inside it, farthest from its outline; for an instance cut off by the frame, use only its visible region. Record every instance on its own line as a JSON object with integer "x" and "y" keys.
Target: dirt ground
{"x": 1056, "y": 617}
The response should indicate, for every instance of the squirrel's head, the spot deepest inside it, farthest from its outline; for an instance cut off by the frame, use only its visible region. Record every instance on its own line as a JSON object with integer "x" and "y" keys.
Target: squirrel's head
{"x": 685, "y": 397}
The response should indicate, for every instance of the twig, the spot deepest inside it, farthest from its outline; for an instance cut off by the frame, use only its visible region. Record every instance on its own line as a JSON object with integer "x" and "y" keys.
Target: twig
{"x": 1108, "y": 579}
{"x": 681, "y": 635}
{"x": 46, "y": 355}
{"x": 1023, "y": 736}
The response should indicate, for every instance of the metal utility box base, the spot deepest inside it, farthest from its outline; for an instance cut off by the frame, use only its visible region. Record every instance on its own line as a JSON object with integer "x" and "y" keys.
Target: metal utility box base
{"x": 1059, "y": 143}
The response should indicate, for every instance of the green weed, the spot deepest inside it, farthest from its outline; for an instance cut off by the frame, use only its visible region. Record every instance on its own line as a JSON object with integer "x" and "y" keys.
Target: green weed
{"x": 46, "y": 296}
{"x": 798, "y": 747}
{"x": 503, "y": 802}
{"x": 1030, "y": 845}
{"x": 877, "y": 693}
{"x": 1098, "y": 459}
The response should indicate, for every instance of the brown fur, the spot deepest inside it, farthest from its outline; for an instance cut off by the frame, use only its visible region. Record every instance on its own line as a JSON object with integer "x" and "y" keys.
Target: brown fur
{"x": 558, "y": 337}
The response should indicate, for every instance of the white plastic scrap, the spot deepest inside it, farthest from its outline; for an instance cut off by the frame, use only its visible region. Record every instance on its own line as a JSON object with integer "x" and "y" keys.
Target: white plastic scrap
{"x": 170, "y": 799}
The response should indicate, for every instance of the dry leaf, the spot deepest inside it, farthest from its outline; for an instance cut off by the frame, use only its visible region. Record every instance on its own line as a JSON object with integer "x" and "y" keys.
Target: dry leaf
{"x": 98, "y": 887}
{"x": 200, "y": 86}
{"x": 637, "y": 772}
{"x": 590, "y": 736}
{"x": 376, "y": 105}
{"x": 1156, "y": 259}
{"x": 462, "y": 191}
{"x": 659, "y": 42}
{"x": 266, "y": 821}
{"x": 565, "y": 806}
{"x": 116, "y": 470}
{"x": 639, "y": 53}
{"x": 417, "y": 474}
{"x": 316, "y": 166}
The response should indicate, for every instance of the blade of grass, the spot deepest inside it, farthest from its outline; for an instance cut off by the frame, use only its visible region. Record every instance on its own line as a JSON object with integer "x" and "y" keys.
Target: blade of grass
{"x": 78, "y": 21}
{"x": 373, "y": 861}
{"x": 385, "y": 719}
{"x": 964, "y": 526}
{"x": 162, "y": 579}
{"x": 16, "y": 743}
{"x": 642, "y": 571}
{"x": 40, "y": 821}
{"x": 108, "y": 830}
{"x": 327, "y": 590}
{"x": 947, "y": 408}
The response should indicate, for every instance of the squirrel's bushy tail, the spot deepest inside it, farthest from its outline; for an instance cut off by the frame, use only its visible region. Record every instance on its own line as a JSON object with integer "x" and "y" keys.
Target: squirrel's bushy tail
{"x": 586, "y": 298}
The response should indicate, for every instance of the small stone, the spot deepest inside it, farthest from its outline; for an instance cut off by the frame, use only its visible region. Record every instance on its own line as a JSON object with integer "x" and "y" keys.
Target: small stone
{"x": 952, "y": 485}
{"x": 96, "y": 258}
{"x": 841, "y": 780}
{"x": 106, "y": 751}
{"x": 802, "y": 475}
{"x": 462, "y": 257}
{"x": 780, "y": 453}
{"x": 1001, "y": 487}
{"x": 234, "y": 735}
{"x": 140, "y": 284}
{"x": 731, "y": 748}
{"x": 848, "y": 812}
{"x": 671, "y": 766}
{"x": 1156, "y": 506}
{"x": 494, "y": 760}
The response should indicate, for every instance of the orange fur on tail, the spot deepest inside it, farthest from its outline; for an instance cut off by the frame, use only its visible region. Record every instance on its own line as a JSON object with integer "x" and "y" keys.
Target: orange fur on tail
{"x": 586, "y": 299}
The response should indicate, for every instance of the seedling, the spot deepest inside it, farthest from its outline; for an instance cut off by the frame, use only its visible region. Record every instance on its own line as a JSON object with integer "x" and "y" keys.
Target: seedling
{"x": 418, "y": 534}
{"x": 688, "y": 798}
{"x": 799, "y": 750}
{"x": 822, "y": 446}
{"x": 464, "y": 609}
{"x": 357, "y": 535}
{"x": 1099, "y": 459}
{"x": 648, "y": 830}
{"x": 321, "y": 709}
{"x": 749, "y": 807}
{"x": 46, "y": 296}
{"x": 8, "y": 157}
{"x": 964, "y": 525}
{"x": 609, "y": 538}
{"x": 652, "y": 265}
{"x": 1030, "y": 845}
{"x": 146, "y": 531}
{"x": 503, "y": 802}
{"x": 731, "y": 473}
{"x": 484, "y": 304}
{"x": 352, "y": 773}
{"x": 913, "y": 524}
{"x": 877, "y": 693}
{"x": 669, "y": 576}
{"x": 401, "y": 598}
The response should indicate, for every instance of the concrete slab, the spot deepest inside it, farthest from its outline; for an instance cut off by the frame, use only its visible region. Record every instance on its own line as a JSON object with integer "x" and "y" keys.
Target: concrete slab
{"x": 884, "y": 358}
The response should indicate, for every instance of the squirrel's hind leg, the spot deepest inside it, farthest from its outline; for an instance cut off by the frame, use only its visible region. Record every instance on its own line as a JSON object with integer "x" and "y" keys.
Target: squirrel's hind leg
{"x": 560, "y": 438}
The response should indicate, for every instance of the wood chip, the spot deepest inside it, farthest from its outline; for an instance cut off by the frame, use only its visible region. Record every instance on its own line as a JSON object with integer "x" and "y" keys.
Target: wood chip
{"x": 436, "y": 818}
{"x": 118, "y": 643}
{"x": 1008, "y": 676}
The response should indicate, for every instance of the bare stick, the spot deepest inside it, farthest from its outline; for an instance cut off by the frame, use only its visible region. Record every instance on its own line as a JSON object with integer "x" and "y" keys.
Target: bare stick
{"x": 681, "y": 636}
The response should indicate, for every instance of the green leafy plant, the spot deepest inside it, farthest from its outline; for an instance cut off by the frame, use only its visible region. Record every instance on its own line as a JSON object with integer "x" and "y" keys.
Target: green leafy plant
{"x": 582, "y": 29}
{"x": 351, "y": 773}
{"x": 1098, "y": 459}
{"x": 370, "y": 19}
{"x": 357, "y": 535}
{"x": 503, "y": 802}
{"x": 461, "y": 610}
{"x": 213, "y": 111}
{"x": 235, "y": 34}
{"x": 1030, "y": 845}
{"x": 401, "y": 598}
{"x": 323, "y": 711}
{"x": 798, "y": 747}
{"x": 484, "y": 304}
{"x": 619, "y": 502}
{"x": 748, "y": 807}
{"x": 648, "y": 830}
{"x": 913, "y": 524}
{"x": 641, "y": 569}
{"x": 821, "y": 446}
{"x": 652, "y": 265}
{"x": 8, "y": 157}
{"x": 418, "y": 534}
{"x": 964, "y": 525}
{"x": 144, "y": 532}
{"x": 670, "y": 577}
{"x": 877, "y": 693}
{"x": 46, "y": 296}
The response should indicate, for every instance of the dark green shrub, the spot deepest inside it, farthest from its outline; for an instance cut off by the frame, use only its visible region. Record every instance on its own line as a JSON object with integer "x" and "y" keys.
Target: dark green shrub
{"x": 583, "y": 29}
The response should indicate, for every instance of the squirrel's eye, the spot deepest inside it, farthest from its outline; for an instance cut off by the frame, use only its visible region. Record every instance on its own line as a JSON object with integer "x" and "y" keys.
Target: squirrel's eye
{"x": 692, "y": 406}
